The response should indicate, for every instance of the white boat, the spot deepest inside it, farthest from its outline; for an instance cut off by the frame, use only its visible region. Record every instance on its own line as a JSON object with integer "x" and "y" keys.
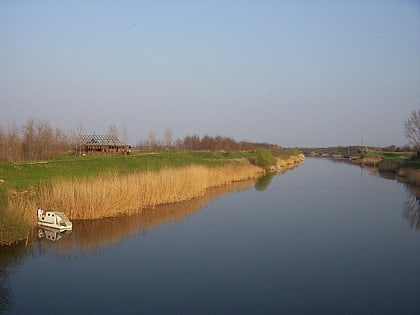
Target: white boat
{"x": 54, "y": 219}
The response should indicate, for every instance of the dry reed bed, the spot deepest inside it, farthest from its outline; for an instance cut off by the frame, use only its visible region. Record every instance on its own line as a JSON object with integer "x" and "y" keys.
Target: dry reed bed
{"x": 413, "y": 176}
{"x": 95, "y": 234}
{"x": 113, "y": 195}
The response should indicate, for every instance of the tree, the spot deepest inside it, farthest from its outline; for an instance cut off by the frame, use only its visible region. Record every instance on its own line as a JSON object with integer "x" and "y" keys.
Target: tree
{"x": 151, "y": 141}
{"x": 412, "y": 129}
{"x": 112, "y": 131}
{"x": 168, "y": 137}
{"x": 29, "y": 139}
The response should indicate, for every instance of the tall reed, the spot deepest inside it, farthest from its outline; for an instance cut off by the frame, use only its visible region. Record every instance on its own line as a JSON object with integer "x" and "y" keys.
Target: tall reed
{"x": 16, "y": 218}
{"x": 115, "y": 194}
{"x": 413, "y": 176}
{"x": 95, "y": 234}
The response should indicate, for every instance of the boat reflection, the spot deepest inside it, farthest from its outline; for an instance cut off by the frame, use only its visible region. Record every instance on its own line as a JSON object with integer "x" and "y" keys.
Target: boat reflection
{"x": 51, "y": 234}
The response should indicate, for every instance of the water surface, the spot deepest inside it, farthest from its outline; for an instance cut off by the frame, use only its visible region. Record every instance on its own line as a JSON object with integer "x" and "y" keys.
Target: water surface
{"x": 324, "y": 237}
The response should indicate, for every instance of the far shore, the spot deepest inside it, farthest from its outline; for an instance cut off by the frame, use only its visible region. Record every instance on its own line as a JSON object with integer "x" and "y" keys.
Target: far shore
{"x": 405, "y": 166}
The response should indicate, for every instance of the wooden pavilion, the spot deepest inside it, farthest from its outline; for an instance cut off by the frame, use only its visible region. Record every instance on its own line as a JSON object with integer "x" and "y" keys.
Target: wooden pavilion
{"x": 101, "y": 144}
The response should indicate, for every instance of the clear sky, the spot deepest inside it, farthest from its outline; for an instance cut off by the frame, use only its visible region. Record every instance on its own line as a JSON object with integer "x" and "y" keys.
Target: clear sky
{"x": 294, "y": 73}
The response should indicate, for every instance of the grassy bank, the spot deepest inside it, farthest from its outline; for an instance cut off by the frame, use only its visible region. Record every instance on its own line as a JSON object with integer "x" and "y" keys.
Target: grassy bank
{"x": 404, "y": 165}
{"x": 116, "y": 194}
{"x": 94, "y": 187}
{"x": 34, "y": 174}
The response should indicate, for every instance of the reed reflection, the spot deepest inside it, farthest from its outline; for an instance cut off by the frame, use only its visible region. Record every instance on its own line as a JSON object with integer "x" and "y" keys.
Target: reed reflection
{"x": 96, "y": 234}
{"x": 411, "y": 207}
{"x": 263, "y": 182}
{"x": 10, "y": 257}
{"x": 411, "y": 210}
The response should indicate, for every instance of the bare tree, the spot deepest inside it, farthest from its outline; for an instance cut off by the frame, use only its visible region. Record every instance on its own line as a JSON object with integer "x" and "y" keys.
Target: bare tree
{"x": 151, "y": 141}
{"x": 125, "y": 135}
{"x": 112, "y": 131}
{"x": 168, "y": 137}
{"x": 10, "y": 144}
{"x": 29, "y": 139}
{"x": 412, "y": 129}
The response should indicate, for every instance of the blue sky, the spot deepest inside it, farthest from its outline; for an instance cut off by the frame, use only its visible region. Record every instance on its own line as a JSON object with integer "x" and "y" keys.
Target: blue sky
{"x": 295, "y": 73}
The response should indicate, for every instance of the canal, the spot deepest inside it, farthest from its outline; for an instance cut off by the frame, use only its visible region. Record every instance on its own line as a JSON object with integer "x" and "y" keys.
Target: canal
{"x": 325, "y": 237}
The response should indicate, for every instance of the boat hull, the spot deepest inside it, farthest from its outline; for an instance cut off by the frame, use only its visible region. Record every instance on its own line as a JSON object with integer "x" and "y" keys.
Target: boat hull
{"x": 55, "y": 226}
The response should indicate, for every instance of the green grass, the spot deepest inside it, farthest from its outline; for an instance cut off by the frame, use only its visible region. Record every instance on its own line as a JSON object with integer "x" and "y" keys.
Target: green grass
{"x": 284, "y": 154}
{"x": 407, "y": 159}
{"x": 396, "y": 156}
{"x": 33, "y": 174}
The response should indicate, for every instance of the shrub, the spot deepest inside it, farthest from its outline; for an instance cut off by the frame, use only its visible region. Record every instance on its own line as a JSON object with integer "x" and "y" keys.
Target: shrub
{"x": 264, "y": 158}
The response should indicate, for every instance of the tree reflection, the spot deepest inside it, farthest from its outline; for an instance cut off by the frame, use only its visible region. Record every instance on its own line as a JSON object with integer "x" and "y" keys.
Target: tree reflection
{"x": 411, "y": 211}
{"x": 10, "y": 257}
{"x": 263, "y": 182}
{"x": 411, "y": 208}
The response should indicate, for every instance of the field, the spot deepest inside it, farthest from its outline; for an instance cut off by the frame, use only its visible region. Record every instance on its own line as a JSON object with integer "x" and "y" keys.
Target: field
{"x": 34, "y": 174}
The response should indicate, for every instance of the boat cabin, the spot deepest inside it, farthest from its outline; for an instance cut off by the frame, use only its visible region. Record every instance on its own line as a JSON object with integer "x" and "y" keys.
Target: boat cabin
{"x": 54, "y": 219}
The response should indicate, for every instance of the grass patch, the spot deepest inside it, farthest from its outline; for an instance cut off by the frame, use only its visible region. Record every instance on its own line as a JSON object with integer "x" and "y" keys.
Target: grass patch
{"x": 35, "y": 174}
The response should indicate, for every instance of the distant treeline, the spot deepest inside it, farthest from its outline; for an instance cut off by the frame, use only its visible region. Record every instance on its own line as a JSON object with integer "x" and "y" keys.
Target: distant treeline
{"x": 205, "y": 143}
{"x": 35, "y": 140}
{"x": 39, "y": 140}
{"x": 347, "y": 151}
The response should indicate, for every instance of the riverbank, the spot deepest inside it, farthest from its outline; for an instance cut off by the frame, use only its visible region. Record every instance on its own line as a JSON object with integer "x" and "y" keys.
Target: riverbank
{"x": 118, "y": 192}
{"x": 404, "y": 165}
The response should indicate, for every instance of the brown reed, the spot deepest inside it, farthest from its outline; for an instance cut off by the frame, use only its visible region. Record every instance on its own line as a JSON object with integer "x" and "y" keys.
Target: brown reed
{"x": 95, "y": 234}
{"x": 116, "y": 194}
{"x": 413, "y": 176}
{"x": 16, "y": 219}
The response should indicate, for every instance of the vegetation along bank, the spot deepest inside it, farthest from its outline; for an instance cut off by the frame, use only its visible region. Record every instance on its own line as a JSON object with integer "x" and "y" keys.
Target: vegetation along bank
{"x": 92, "y": 187}
{"x": 403, "y": 162}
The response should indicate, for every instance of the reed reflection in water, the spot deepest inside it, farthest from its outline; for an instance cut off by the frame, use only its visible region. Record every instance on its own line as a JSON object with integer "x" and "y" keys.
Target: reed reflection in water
{"x": 411, "y": 210}
{"x": 96, "y": 234}
{"x": 411, "y": 207}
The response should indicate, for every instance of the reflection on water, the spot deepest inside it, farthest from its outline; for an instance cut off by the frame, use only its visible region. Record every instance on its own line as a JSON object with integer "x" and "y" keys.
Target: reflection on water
{"x": 343, "y": 246}
{"x": 51, "y": 234}
{"x": 411, "y": 207}
{"x": 95, "y": 234}
{"x": 263, "y": 182}
{"x": 411, "y": 210}
{"x": 10, "y": 257}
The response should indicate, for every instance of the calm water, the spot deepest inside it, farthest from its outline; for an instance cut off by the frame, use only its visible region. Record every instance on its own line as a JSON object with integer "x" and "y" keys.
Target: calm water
{"x": 322, "y": 238}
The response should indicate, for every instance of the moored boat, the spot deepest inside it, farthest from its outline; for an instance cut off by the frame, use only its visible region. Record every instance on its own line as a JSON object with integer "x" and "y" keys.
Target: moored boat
{"x": 54, "y": 219}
